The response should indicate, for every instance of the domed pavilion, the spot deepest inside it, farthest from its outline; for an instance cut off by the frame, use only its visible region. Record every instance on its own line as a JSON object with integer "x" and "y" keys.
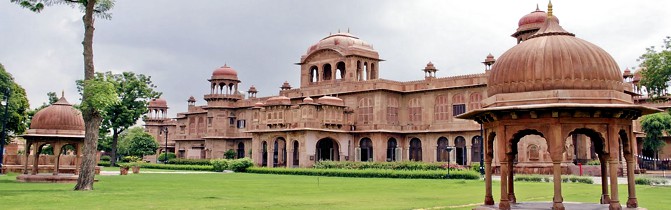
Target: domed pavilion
{"x": 58, "y": 125}
{"x": 553, "y": 84}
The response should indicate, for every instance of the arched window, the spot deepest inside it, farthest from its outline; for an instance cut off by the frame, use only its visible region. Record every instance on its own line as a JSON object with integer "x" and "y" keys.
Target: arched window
{"x": 392, "y": 153}
{"x": 264, "y": 159}
{"x": 279, "y": 152}
{"x": 441, "y": 150}
{"x": 392, "y": 110}
{"x": 474, "y": 101}
{"x": 200, "y": 126}
{"x": 192, "y": 126}
{"x": 365, "y": 71}
{"x": 414, "y": 110}
{"x": 476, "y": 146}
{"x": 460, "y": 150}
{"x": 415, "y": 150}
{"x": 533, "y": 152}
{"x": 241, "y": 150}
{"x": 327, "y": 72}
{"x": 314, "y": 74}
{"x": 340, "y": 72}
{"x": 458, "y": 104}
{"x": 358, "y": 71}
{"x": 373, "y": 73}
{"x": 296, "y": 156}
{"x": 441, "y": 108}
{"x": 365, "y": 111}
{"x": 366, "y": 147}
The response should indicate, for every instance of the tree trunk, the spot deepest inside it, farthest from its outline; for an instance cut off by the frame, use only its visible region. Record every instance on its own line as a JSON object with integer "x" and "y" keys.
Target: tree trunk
{"x": 115, "y": 140}
{"x": 92, "y": 118}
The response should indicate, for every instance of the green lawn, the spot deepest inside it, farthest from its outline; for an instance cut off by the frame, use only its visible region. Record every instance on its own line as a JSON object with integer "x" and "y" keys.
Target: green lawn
{"x": 257, "y": 191}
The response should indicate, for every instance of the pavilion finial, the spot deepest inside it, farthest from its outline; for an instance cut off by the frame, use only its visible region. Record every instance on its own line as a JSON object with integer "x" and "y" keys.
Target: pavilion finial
{"x": 550, "y": 8}
{"x": 348, "y": 30}
{"x": 62, "y": 93}
{"x": 338, "y": 30}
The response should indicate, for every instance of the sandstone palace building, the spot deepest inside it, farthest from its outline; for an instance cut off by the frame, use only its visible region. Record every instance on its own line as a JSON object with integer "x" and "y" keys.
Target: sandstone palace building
{"x": 343, "y": 111}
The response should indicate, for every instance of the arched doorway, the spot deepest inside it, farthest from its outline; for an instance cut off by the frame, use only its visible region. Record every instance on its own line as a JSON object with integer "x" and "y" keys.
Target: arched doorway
{"x": 366, "y": 146}
{"x": 441, "y": 150}
{"x": 327, "y": 72}
{"x": 392, "y": 150}
{"x": 340, "y": 72}
{"x": 280, "y": 152}
{"x": 264, "y": 158}
{"x": 295, "y": 154}
{"x": 241, "y": 150}
{"x": 476, "y": 149}
{"x": 327, "y": 149}
{"x": 460, "y": 150}
{"x": 415, "y": 149}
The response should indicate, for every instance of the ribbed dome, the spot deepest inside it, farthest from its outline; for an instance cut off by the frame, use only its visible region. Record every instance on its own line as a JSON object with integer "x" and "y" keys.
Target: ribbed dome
{"x": 59, "y": 116}
{"x": 534, "y": 19}
{"x": 554, "y": 59}
{"x": 159, "y": 103}
{"x": 344, "y": 43}
{"x": 279, "y": 100}
{"x": 225, "y": 72}
{"x": 330, "y": 100}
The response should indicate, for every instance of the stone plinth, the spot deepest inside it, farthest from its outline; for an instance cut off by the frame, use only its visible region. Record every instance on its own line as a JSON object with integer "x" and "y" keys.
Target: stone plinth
{"x": 48, "y": 178}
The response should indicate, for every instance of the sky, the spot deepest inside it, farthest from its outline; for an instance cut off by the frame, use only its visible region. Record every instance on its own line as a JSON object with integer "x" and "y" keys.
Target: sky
{"x": 179, "y": 44}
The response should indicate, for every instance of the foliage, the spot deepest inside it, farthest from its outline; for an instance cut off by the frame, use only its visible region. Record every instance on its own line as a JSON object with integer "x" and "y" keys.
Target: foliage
{"x": 18, "y": 107}
{"x": 368, "y": 173}
{"x": 101, "y": 9}
{"x": 475, "y": 167}
{"x": 577, "y": 179}
{"x": 405, "y": 165}
{"x": 237, "y": 165}
{"x": 656, "y": 69}
{"x": 172, "y": 167}
{"x": 593, "y": 163}
{"x": 99, "y": 92}
{"x": 531, "y": 178}
{"x": 105, "y": 158}
{"x": 650, "y": 181}
{"x": 131, "y": 159}
{"x": 566, "y": 179}
{"x": 161, "y": 157}
{"x": 654, "y": 125}
{"x": 230, "y": 154}
{"x": 104, "y": 163}
{"x": 137, "y": 142}
{"x": 182, "y": 161}
{"x": 105, "y": 143}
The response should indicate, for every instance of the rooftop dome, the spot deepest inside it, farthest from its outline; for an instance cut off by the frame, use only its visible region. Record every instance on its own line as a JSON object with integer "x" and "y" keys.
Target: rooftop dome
{"x": 554, "y": 59}
{"x": 534, "y": 19}
{"x": 308, "y": 100}
{"x": 429, "y": 67}
{"x": 225, "y": 72}
{"x": 490, "y": 58}
{"x": 252, "y": 89}
{"x": 278, "y": 100}
{"x": 59, "y": 116}
{"x": 330, "y": 100}
{"x": 627, "y": 73}
{"x": 345, "y": 44}
{"x": 158, "y": 103}
{"x": 258, "y": 104}
{"x": 191, "y": 99}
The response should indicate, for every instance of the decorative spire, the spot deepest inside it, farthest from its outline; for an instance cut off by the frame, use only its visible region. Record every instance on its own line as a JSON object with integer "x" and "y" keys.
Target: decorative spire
{"x": 550, "y": 8}
{"x": 62, "y": 93}
{"x": 537, "y": 9}
{"x": 348, "y": 30}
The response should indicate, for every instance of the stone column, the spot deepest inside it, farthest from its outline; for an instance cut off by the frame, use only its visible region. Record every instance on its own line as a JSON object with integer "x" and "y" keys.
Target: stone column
{"x": 614, "y": 199}
{"x": 489, "y": 199}
{"x": 504, "y": 204}
{"x": 557, "y": 199}
{"x": 605, "y": 199}
{"x": 27, "y": 155}
{"x": 36, "y": 159}
{"x": 269, "y": 155}
{"x": 78, "y": 152}
{"x": 57, "y": 153}
{"x": 511, "y": 185}
{"x": 632, "y": 202}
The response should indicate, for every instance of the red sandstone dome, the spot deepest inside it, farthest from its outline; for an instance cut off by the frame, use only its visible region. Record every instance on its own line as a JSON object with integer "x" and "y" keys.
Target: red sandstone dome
{"x": 308, "y": 100}
{"x": 554, "y": 59}
{"x": 59, "y": 116}
{"x": 330, "y": 100}
{"x": 225, "y": 72}
{"x": 535, "y": 19}
{"x": 159, "y": 103}
{"x": 345, "y": 44}
{"x": 278, "y": 100}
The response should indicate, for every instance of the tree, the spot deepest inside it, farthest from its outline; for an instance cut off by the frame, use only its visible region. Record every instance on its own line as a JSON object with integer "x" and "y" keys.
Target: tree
{"x": 656, "y": 69}
{"x": 134, "y": 92}
{"x": 18, "y": 107}
{"x": 137, "y": 142}
{"x": 91, "y": 114}
{"x": 654, "y": 126}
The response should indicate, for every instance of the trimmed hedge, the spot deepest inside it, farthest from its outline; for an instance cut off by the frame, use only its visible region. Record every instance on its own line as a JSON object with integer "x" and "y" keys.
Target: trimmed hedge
{"x": 104, "y": 163}
{"x": 649, "y": 181}
{"x": 577, "y": 179}
{"x": 531, "y": 178}
{"x": 169, "y": 166}
{"x": 105, "y": 158}
{"x": 368, "y": 173}
{"x": 237, "y": 165}
{"x": 566, "y": 179}
{"x": 181, "y": 161}
{"x": 405, "y": 165}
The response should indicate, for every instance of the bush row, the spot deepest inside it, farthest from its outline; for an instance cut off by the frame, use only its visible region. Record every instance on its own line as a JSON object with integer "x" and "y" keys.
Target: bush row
{"x": 181, "y": 161}
{"x": 566, "y": 179}
{"x": 168, "y": 166}
{"x": 649, "y": 181}
{"x": 237, "y": 165}
{"x": 368, "y": 173}
{"x": 405, "y": 165}
{"x": 104, "y": 163}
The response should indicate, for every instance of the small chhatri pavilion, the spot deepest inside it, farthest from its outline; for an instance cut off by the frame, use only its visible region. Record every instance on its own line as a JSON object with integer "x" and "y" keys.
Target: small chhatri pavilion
{"x": 553, "y": 84}
{"x": 59, "y": 125}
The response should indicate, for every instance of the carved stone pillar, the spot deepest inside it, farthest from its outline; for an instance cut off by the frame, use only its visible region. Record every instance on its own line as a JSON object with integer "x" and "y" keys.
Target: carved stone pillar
{"x": 36, "y": 159}
{"x": 504, "y": 203}
{"x": 511, "y": 185}
{"x": 27, "y": 155}
{"x": 632, "y": 202}
{"x": 557, "y": 200}
{"x": 489, "y": 199}
{"x": 605, "y": 199}
{"x": 614, "y": 199}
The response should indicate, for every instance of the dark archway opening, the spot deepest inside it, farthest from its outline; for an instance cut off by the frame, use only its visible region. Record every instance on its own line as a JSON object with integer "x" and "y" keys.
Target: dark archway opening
{"x": 340, "y": 72}
{"x": 391, "y": 150}
{"x": 327, "y": 71}
{"x": 460, "y": 150}
{"x": 295, "y": 154}
{"x": 327, "y": 149}
{"x": 366, "y": 146}
{"x": 279, "y": 152}
{"x": 264, "y": 159}
{"x": 415, "y": 149}
{"x": 241, "y": 150}
{"x": 441, "y": 150}
{"x": 476, "y": 149}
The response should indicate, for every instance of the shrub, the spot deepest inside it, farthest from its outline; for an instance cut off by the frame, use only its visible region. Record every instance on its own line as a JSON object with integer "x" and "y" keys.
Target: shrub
{"x": 104, "y": 163}
{"x": 593, "y": 163}
{"x": 230, "y": 154}
{"x": 531, "y": 178}
{"x": 406, "y": 165}
{"x": 368, "y": 173}
{"x": 131, "y": 159}
{"x": 475, "y": 167}
{"x": 181, "y": 161}
{"x": 578, "y": 179}
{"x": 172, "y": 167}
{"x": 240, "y": 165}
{"x": 649, "y": 181}
{"x": 161, "y": 157}
{"x": 219, "y": 164}
{"x": 105, "y": 158}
